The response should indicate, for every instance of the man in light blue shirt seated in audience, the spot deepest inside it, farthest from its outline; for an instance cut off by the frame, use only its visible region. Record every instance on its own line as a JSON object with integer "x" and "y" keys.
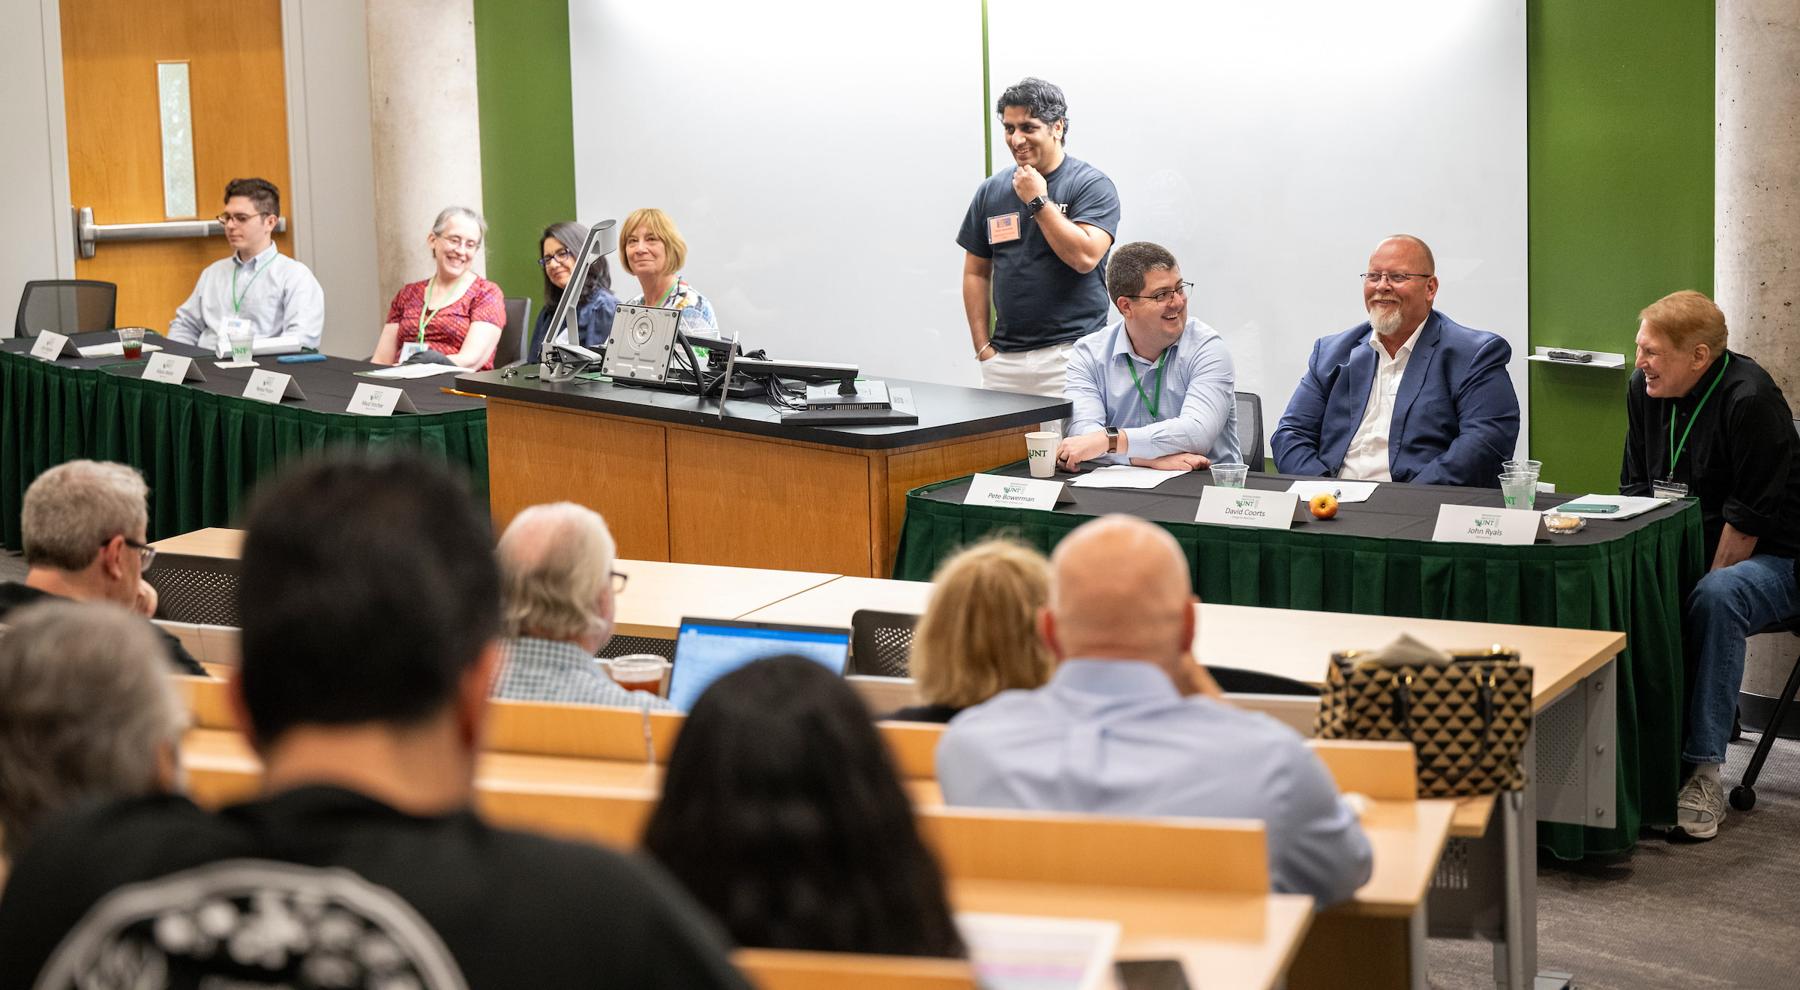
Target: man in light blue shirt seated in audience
{"x": 1130, "y": 725}
{"x": 274, "y": 295}
{"x": 558, "y": 591}
{"x": 1156, "y": 388}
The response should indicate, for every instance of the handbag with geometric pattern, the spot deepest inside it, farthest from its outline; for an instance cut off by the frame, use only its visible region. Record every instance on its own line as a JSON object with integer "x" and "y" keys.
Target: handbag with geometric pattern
{"x": 1468, "y": 715}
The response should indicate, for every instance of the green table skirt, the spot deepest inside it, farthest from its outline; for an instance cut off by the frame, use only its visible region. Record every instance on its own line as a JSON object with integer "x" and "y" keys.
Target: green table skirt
{"x": 201, "y": 452}
{"x": 1635, "y": 584}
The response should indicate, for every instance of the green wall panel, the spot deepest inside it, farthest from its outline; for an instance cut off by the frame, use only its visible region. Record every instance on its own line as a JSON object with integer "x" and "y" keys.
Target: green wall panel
{"x": 527, "y": 136}
{"x": 1620, "y": 172}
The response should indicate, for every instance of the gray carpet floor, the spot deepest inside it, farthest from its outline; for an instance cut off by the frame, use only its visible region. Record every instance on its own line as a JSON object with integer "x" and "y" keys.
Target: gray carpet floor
{"x": 1724, "y": 913}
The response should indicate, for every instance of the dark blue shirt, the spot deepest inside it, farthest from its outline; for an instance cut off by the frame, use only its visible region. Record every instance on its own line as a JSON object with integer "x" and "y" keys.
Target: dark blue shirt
{"x": 594, "y": 317}
{"x": 1039, "y": 300}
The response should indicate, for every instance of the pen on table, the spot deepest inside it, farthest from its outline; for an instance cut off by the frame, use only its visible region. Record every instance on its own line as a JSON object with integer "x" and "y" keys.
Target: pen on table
{"x": 447, "y": 390}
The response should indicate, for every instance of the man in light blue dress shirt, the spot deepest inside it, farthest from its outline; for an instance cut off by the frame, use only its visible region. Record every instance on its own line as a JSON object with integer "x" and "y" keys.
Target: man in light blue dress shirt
{"x": 274, "y": 294}
{"x": 1130, "y": 725}
{"x": 1155, "y": 389}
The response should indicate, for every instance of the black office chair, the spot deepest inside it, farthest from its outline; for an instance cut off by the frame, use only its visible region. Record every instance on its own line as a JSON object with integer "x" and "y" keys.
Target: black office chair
{"x": 74, "y": 305}
{"x": 195, "y": 589}
{"x": 1236, "y": 680}
{"x": 880, "y": 642}
{"x": 1743, "y": 796}
{"x": 516, "y": 331}
{"x": 1250, "y": 430}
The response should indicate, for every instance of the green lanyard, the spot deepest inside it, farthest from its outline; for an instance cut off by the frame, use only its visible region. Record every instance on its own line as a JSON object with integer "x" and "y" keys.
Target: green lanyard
{"x": 425, "y": 310}
{"x": 670, "y": 295}
{"x": 1162, "y": 364}
{"x": 1675, "y": 450}
{"x": 237, "y": 301}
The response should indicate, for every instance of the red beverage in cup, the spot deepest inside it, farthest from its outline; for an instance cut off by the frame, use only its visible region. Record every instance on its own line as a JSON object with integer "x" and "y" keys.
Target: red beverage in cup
{"x": 131, "y": 342}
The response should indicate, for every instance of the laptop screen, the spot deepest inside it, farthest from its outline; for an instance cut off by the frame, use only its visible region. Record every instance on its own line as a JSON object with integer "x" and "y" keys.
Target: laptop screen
{"x": 708, "y": 649}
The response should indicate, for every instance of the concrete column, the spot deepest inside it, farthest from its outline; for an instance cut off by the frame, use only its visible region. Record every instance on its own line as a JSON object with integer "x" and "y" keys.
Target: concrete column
{"x": 427, "y": 128}
{"x": 1757, "y": 214}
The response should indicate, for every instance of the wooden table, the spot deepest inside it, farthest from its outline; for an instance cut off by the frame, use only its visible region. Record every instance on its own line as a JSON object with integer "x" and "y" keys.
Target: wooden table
{"x": 676, "y": 481}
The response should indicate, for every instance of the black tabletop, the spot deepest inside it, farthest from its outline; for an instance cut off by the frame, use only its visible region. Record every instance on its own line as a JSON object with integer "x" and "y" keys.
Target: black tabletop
{"x": 945, "y": 411}
{"x": 328, "y": 384}
{"x": 1393, "y": 511}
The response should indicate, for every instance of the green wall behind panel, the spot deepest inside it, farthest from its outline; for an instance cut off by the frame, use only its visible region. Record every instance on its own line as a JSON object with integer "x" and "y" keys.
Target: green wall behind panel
{"x": 527, "y": 134}
{"x": 1620, "y": 173}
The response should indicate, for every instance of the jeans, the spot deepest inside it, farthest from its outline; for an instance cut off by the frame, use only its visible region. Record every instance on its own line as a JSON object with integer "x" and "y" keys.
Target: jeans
{"x": 1725, "y": 607}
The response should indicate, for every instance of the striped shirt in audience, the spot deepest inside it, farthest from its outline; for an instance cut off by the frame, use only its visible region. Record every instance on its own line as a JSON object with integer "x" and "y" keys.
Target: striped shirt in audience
{"x": 550, "y": 670}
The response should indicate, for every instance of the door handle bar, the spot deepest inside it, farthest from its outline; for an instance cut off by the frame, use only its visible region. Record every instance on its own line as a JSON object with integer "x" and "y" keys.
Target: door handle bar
{"x": 88, "y": 233}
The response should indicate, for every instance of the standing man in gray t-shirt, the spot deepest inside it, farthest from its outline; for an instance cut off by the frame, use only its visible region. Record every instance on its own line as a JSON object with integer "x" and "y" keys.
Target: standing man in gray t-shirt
{"x": 1037, "y": 234}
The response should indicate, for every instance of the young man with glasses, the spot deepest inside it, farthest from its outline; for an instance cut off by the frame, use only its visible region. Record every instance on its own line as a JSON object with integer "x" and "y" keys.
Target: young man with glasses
{"x": 1408, "y": 395}
{"x": 1156, "y": 388}
{"x": 84, "y": 524}
{"x": 256, "y": 287}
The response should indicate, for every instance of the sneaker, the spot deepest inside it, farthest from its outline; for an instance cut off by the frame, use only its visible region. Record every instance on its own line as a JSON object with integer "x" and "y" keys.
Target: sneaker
{"x": 1700, "y": 807}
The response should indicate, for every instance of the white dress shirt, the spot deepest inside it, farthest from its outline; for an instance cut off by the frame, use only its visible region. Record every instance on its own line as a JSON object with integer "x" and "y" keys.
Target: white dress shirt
{"x": 278, "y": 295}
{"x": 1367, "y": 457}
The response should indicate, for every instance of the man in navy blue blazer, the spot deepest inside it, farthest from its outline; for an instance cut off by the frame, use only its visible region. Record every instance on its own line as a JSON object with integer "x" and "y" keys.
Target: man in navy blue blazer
{"x": 1411, "y": 395}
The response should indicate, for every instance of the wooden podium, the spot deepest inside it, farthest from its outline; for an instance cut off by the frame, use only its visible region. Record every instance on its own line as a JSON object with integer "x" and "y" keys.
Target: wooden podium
{"x": 676, "y": 481}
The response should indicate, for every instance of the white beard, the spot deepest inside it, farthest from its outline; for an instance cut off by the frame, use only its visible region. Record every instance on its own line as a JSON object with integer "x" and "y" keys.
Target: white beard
{"x": 1386, "y": 322}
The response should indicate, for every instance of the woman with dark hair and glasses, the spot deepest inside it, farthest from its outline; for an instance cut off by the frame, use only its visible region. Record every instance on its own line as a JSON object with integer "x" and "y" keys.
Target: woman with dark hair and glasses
{"x": 782, "y": 814}
{"x": 594, "y": 307}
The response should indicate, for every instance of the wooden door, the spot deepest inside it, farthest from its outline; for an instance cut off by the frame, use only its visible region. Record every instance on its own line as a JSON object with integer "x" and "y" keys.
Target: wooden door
{"x": 236, "y": 81}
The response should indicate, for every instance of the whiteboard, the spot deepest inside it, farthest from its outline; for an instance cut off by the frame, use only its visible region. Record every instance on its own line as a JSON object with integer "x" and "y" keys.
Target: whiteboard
{"x": 819, "y": 158}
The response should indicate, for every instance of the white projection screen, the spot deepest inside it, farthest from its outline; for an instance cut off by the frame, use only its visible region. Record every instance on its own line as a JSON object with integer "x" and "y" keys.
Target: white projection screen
{"x": 819, "y": 157}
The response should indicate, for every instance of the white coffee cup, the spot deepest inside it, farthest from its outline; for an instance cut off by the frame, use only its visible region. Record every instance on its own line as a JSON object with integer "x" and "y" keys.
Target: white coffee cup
{"x": 1040, "y": 449}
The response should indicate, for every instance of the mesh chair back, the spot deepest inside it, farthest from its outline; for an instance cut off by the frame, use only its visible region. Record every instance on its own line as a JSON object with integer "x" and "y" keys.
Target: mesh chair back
{"x": 203, "y": 590}
{"x": 1250, "y": 429}
{"x": 512, "y": 336}
{"x": 624, "y": 646}
{"x": 1236, "y": 680}
{"x": 880, "y": 643}
{"x": 66, "y": 306}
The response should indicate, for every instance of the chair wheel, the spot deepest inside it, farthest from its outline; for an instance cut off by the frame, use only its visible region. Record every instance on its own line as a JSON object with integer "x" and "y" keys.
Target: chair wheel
{"x": 1743, "y": 798}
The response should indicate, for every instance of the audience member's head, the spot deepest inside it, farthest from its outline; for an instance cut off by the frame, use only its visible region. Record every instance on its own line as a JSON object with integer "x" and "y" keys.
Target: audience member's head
{"x": 782, "y": 814}
{"x": 84, "y": 525}
{"x": 371, "y": 599}
{"x": 556, "y": 570}
{"x": 561, "y": 243}
{"x": 86, "y": 710}
{"x": 979, "y": 637}
{"x": 649, "y": 245}
{"x": 1120, "y": 590}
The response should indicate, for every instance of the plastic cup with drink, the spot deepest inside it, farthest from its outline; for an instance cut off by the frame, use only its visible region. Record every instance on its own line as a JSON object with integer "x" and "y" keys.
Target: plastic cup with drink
{"x": 131, "y": 342}
{"x": 1229, "y": 474}
{"x": 639, "y": 672}
{"x": 242, "y": 341}
{"x": 1518, "y": 489}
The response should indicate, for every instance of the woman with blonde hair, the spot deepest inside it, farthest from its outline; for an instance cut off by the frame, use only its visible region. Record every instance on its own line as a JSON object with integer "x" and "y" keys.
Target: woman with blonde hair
{"x": 653, "y": 251}
{"x": 979, "y": 635}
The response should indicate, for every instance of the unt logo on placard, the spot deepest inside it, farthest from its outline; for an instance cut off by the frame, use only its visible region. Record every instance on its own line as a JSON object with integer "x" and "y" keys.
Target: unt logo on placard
{"x": 1013, "y": 488}
{"x": 1246, "y": 502}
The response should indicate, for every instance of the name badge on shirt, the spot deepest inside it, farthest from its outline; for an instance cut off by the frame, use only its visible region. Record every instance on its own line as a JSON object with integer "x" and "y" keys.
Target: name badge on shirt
{"x": 1003, "y": 228}
{"x": 410, "y": 348}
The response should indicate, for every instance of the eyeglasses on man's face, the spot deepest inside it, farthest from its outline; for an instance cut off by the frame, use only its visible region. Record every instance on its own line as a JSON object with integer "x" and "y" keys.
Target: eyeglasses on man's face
{"x": 1391, "y": 278}
{"x": 1179, "y": 289}
{"x": 619, "y": 580}
{"x": 227, "y": 219}
{"x": 564, "y": 255}
{"x": 146, "y": 552}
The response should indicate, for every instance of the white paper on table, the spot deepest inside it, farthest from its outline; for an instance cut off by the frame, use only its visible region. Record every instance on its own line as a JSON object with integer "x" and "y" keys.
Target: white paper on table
{"x": 1013, "y": 952}
{"x": 1345, "y": 491}
{"x": 1124, "y": 476}
{"x": 114, "y": 349}
{"x": 1629, "y": 506}
{"x": 414, "y": 371}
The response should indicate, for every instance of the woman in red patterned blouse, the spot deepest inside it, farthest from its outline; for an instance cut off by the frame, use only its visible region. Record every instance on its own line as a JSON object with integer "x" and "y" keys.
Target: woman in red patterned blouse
{"x": 455, "y": 312}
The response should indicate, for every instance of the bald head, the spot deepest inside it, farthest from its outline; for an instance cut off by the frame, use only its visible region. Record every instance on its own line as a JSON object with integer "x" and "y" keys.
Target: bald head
{"x": 1120, "y": 589}
{"x": 556, "y": 564}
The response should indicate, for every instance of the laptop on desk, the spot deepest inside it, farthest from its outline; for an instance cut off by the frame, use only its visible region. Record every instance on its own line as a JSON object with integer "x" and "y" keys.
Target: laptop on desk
{"x": 708, "y": 649}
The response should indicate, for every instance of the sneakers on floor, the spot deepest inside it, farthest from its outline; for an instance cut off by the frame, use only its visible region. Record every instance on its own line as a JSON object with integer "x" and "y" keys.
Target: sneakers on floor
{"x": 1700, "y": 807}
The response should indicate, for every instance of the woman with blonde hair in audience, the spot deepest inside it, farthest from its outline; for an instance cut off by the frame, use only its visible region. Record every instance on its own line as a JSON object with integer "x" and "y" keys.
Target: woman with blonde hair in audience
{"x": 453, "y": 317}
{"x": 653, "y": 251}
{"x": 979, "y": 636}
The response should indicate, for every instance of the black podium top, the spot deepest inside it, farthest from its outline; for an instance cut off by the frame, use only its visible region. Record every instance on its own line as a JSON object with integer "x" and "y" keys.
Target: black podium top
{"x": 946, "y": 412}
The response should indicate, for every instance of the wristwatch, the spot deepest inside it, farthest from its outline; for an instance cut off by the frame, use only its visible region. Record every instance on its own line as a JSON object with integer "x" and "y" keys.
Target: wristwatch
{"x": 1112, "y": 439}
{"x": 1037, "y": 204}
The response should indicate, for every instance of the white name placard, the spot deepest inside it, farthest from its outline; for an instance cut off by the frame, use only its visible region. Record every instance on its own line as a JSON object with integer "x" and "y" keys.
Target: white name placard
{"x": 272, "y": 386}
{"x": 172, "y": 369}
{"x": 1013, "y": 493}
{"x": 1478, "y": 524}
{"x": 51, "y": 346}
{"x": 379, "y": 400}
{"x": 1246, "y": 507}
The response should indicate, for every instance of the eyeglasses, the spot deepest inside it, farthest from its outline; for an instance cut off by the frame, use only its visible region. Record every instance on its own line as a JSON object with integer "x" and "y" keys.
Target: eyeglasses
{"x": 1178, "y": 289}
{"x": 227, "y": 219}
{"x": 619, "y": 580}
{"x": 146, "y": 552}
{"x": 471, "y": 244}
{"x": 1392, "y": 278}
{"x": 563, "y": 255}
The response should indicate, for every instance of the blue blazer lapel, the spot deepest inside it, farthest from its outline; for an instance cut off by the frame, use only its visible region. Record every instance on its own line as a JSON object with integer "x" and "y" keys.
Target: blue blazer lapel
{"x": 1345, "y": 405}
{"x": 1418, "y": 369}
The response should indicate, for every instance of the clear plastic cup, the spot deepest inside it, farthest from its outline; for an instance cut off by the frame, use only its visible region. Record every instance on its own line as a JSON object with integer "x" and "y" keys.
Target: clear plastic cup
{"x": 131, "y": 342}
{"x": 639, "y": 672}
{"x": 241, "y": 344}
{"x": 1040, "y": 450}
{"x": 1518, "y": 489}
{"x": 1521, "y": 467}
{"x": 1230, "y": 474}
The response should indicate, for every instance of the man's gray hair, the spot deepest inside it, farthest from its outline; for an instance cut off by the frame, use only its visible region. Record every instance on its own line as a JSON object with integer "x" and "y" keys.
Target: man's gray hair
{"x": 71, "y": 510}
{"x": 555, "y": 560}
{"x": 85, "y": 707}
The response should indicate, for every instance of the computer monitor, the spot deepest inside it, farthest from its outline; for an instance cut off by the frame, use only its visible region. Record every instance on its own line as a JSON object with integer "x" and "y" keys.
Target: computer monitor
{"x": 708, "y": 649}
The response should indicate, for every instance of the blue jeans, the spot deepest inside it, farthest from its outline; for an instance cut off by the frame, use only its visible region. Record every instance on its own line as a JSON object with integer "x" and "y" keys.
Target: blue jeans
{"x": 1725, "y": 607}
